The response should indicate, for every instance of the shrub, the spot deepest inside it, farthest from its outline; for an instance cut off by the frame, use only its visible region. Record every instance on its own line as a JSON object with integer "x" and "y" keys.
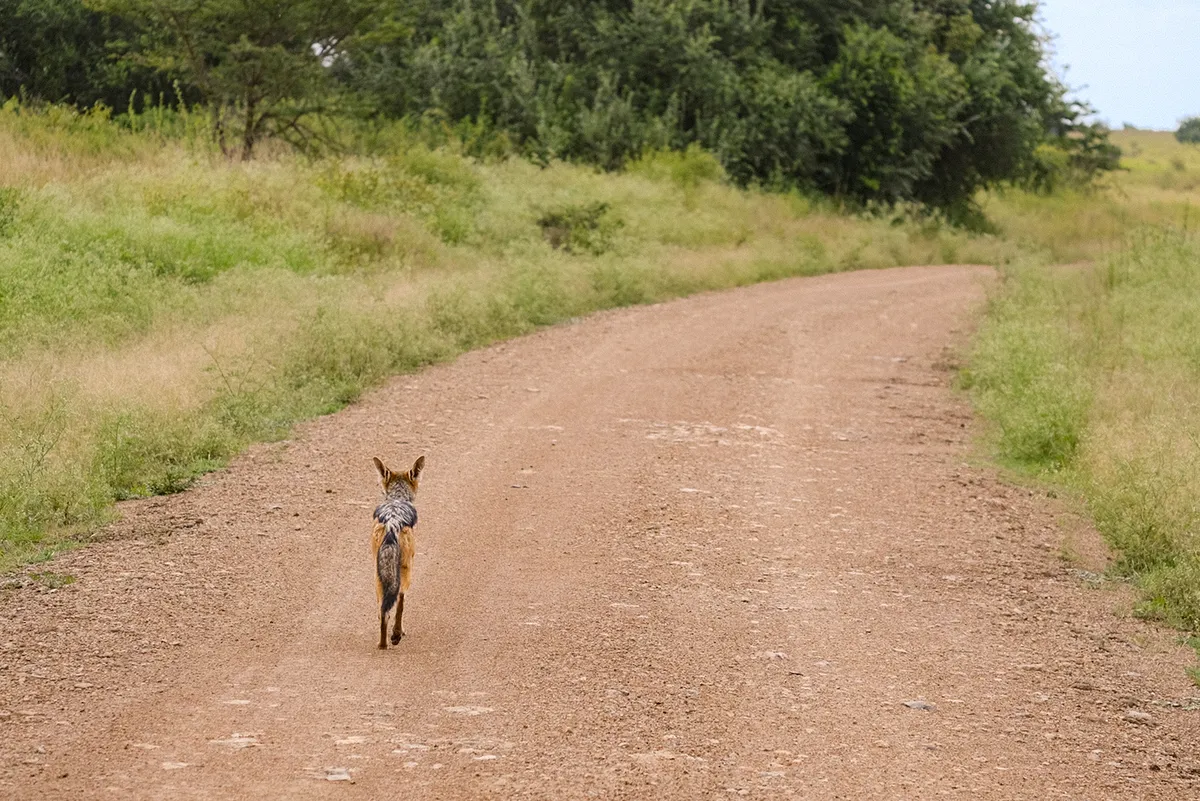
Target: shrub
{"x": 1189, "y": 131}
{"x": 586, "y": 228}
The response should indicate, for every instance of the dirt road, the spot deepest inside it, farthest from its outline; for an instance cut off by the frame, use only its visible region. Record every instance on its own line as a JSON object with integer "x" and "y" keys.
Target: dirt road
{"x": 728, "y": 546}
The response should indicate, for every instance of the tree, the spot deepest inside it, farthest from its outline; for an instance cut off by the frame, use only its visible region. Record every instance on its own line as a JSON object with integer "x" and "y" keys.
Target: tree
{"x": 59, "y": 51}
{"x": 906, "y": 101}
{"x": 787, "y": 130}
{"x": 1015, "y": 112}
{"x": 875, "y": 101}
{"x": 261, "y": 66}
{"x": 1189, "y": 131}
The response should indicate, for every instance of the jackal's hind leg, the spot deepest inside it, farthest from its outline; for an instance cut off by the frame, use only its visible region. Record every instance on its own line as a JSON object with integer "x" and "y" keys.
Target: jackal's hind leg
{"x": 398, "y": 627}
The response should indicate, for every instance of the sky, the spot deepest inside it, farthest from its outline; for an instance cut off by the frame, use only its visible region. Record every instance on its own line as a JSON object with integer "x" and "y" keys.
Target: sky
{"x": 1134, "y": 61}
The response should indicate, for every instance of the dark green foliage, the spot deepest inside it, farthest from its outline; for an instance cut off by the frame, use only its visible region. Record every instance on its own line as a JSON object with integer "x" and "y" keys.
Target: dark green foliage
{"x": 872, "y": 101}
{"x": 260, "y": 67}
{"x": 905, "y": 102}
{"x": 875, "y": 101}
{"x": 60, "y": 51}
{"x": 787, "y": 131}
{"x": 1189, "y": 131}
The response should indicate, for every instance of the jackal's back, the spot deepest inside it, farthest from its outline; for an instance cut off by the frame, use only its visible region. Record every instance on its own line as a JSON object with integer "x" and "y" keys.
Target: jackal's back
{"x": 396, "y": 513}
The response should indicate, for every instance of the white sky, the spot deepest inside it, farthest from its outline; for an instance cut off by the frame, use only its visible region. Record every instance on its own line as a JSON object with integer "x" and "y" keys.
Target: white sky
{"x": 1135, "y": 61}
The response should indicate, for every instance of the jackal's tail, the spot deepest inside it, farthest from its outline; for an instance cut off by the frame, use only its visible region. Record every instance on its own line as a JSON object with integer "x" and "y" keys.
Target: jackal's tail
{"x": 387, "y": 566}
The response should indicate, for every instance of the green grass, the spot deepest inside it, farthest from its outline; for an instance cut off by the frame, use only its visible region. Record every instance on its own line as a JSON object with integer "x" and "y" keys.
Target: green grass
{"x": 161, "y": 307}
{"x": 1193, "y": 672}
{"x": 1090, "y": 376}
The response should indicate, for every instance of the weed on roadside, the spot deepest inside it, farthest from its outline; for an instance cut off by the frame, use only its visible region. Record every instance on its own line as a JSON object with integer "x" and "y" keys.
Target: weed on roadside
{"x": 52, "y": 580}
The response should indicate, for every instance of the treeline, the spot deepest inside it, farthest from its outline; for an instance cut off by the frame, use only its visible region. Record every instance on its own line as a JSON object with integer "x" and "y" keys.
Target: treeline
{"x": 873, "y": 101}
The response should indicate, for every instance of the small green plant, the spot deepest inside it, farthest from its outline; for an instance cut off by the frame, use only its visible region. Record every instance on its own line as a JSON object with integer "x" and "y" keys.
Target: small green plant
{"x": 587, "y": 228}
{"x": 53, "y": 580}
{"x": 1193, "y": 671}
{"x": 687, "y": 168}
{"x": 438, "y": 188}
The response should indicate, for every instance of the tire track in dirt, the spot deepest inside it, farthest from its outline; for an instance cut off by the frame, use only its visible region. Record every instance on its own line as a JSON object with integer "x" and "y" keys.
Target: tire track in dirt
{"x": 699, "y": 549}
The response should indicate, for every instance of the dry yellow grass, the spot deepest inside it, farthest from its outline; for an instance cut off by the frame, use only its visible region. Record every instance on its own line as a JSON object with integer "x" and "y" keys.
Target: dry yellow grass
{"x": 1158, "y": 184}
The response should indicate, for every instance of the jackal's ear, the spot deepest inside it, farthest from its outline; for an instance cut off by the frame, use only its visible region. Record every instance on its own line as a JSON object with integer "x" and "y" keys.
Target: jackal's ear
{"x": 417, "y": 467}
{"x": 384, "y": 473}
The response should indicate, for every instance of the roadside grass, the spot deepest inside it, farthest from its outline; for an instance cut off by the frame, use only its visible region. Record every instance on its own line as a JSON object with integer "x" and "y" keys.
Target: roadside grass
{"x": 1088, "y": 373}
{"x": 1193, "y": 672}
{"x": 1090, "y": 378}
{"x": 161, "y": 307}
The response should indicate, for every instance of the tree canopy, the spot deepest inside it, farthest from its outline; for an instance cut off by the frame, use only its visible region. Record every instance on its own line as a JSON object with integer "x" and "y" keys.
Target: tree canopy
{"x": 60, "y": 51}
{"x": 872, "y": 101}
{"x": 260, "y": 65}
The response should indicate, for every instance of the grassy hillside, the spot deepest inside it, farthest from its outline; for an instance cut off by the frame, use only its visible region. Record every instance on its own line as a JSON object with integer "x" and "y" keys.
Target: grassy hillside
{"x": 161, "y": 307}
{"x": 1090, "y": 373}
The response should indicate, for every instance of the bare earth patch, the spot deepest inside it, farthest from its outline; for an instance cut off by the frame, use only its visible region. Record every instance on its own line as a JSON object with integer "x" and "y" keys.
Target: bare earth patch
{"x": 731, "y": 545}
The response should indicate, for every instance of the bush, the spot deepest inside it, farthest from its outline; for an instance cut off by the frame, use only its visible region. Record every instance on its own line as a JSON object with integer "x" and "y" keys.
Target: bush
{"x": 688, "y": 168}
{"x": 788, "y": 128}
{"x": 587, "y": 228}
{"x": 1024, "y": 380}
{"x": 1189, "y": 131}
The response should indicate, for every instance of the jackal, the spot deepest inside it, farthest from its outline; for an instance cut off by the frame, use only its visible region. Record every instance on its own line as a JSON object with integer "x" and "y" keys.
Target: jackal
{"x": 393, "y": 545}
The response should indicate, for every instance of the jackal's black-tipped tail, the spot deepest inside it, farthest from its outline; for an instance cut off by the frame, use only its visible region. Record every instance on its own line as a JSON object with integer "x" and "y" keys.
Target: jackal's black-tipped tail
{"x": 387, "y": 566}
